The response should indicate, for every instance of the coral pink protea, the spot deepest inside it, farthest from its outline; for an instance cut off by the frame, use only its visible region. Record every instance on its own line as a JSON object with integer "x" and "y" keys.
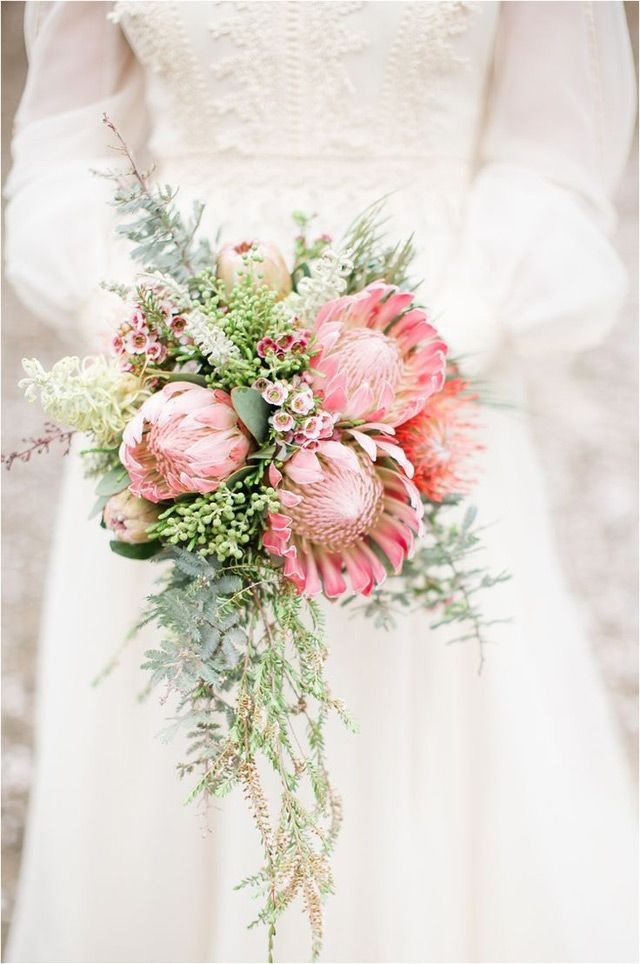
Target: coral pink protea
{"x": 357, "y": 513}
{"x": 184, "y": 438}
{"x": 440, "y": 443}
{"x": 378, "y": 358}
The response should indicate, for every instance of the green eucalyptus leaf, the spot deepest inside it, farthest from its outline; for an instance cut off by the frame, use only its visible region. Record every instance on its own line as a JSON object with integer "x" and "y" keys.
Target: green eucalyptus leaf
{"x": 136, "y": 550}
{"x": 116, "y": 480}
{"x": 188, "y": 377}
{"x": 252, "y": 410}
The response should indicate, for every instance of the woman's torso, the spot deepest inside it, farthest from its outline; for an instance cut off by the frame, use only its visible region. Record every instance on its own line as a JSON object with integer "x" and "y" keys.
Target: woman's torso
{"x": 263, "y": 108}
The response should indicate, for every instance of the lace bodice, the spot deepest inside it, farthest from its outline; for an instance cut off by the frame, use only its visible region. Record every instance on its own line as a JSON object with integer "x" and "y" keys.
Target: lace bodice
{"x": 314, "y": 79}
{"x": 498, "y": 131}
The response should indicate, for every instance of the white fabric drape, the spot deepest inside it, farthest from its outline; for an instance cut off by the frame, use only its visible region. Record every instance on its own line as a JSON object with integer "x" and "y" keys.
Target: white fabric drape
{"x": 486, "y": 820}
{"x": 60, "y": 240}
{"x": 534, "y": 260}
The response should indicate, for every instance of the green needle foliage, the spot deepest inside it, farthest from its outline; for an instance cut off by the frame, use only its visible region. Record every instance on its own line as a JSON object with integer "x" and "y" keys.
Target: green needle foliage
{"x": 372, "y": 257}
{"x": 244, "y": 656}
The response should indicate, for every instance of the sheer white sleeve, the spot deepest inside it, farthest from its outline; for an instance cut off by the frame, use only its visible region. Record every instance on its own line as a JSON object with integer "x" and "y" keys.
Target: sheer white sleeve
{"x": 534, "y": 265}
{"x": 59, "y": 227}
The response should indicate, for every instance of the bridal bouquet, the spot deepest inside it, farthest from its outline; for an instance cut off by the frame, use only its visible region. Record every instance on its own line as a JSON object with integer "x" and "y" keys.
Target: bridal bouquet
{"x": 273, "y": 435}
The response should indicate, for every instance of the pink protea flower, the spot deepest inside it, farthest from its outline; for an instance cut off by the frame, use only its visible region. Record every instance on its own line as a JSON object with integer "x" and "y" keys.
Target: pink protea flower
{"x": 334, "y": 526}
{"x": 440, "y": 441}
{"x": 184, "y": 438}
{"x": 379, "y": 358}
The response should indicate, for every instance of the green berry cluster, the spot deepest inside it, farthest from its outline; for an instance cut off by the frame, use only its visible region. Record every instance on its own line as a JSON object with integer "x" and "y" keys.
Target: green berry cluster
{"x": 249, "y": 313}
{"x": 221, "y": 524}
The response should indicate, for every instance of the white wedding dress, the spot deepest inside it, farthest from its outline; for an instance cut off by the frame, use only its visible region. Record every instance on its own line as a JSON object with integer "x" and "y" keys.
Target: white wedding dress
{"x": 486, "y": 819}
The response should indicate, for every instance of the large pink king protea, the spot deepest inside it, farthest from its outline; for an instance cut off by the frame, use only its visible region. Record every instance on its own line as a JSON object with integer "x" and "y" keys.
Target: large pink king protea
{"x": 184, "y": 438}
{"x": 379, "y": 359}
{"x": 337, "y": 524}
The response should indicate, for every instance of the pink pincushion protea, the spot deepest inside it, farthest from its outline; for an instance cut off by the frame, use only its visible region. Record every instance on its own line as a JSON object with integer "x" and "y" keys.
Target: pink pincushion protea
{"x": 379, "y": 358}
{"x": 440, "y": 441}
{"x": 184, "y": 438}
{"x": 337, "y": 523}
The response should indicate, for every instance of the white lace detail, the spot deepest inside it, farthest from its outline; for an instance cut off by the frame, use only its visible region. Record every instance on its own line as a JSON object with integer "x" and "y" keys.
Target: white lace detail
{"x": 261, "y": 93}
{"x": 285, "y": 77}
{"x": 157, "y": 36}
{"x": 420, "y": 64}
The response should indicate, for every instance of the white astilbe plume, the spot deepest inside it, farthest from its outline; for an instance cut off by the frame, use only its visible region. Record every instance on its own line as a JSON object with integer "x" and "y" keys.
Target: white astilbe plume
{"x": 326, "y": 281}
{"x": 210, "y": 338}
{"x": 90, "y": 395}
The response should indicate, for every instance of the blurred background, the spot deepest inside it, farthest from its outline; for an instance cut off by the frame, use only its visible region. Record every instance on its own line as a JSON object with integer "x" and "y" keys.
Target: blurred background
{"x": 584, "y": 413}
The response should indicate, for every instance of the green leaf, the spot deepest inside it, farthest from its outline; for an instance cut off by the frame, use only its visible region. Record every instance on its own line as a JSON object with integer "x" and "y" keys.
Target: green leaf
{"x": 266, "y": 453}
{"x": 240, "y": 474}
{"x": 252, "y": 410}
{"x": 188, "y": 377}
{"x": 101, "y": 501}
{"x": 116, "y": 480}
{"x": 136, "y": 550}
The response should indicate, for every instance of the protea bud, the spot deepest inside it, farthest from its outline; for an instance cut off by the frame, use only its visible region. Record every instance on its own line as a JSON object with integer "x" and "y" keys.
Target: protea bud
{"x": 129, "y": 517}
{"x": 261, "y": 259}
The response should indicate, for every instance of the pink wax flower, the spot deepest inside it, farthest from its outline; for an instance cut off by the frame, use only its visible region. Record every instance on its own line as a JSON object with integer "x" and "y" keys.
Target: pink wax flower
{"x": 327, "y": 423}
{"x": 261, "y": 384}
{"x": 378, "y": 358}
{"x": 137, "y": 320}
{"x": 302, "y": 402}
{"x": 282, "y": 421}
{"x": 136, "y": 342}
{"x": 301, "y": 341}
{"x": 117, "y": 344}
{"x": 332, "y": 526}
{"x": 265, "y": 345}
{"x": 156, "y": 352}
{"x": 285, "y": 342}
{"x": 312, "y": 427}
{"x": 178, "y": 324}
{"x": 276, "y": 393}
{"x": 183, "y": 439}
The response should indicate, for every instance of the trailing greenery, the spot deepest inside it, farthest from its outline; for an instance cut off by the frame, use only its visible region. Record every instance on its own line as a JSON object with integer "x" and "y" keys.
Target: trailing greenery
{"x": 244, "y": 656}
{"x": 440, "y": 577}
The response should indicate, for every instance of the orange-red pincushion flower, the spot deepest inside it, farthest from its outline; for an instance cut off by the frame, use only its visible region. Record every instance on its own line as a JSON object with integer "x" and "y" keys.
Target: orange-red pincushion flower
{"x": 440, "y": 441}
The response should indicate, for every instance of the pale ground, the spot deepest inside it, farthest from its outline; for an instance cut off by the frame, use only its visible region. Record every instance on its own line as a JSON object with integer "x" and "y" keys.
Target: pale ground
{"x": 584, "y": 416}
